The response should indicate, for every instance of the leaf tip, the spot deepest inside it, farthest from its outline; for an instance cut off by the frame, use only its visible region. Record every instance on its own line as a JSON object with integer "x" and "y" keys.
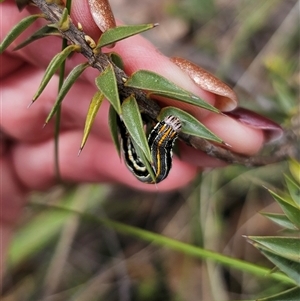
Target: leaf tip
{"x": 29, "y": 105}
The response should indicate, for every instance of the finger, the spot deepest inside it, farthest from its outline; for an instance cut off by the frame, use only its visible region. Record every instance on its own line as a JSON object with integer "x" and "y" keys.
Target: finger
{"x": 97, "y": 163}
{"x": 243, "y": 139}
{"x": 26, "y": 124}
{"x": 142, "y": 54}
{"x": 11, "y": 203}
{"x": 136, "y": 52}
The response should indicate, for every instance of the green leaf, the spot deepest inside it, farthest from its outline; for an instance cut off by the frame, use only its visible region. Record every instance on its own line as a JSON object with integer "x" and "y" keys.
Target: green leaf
{"x": 190, "y": 125}
{"x": 134, "y": 124}
{"x": 118, "y": 33}
{"x": 116, "y": 59}
{"x": 113, "y": 127}
{"x": 287, "y": 247}
{"x": 143, "y": 158}
{"x": 289, "y": 267}
{"x": 281, "y": 220}
{"x": 40, "y": 33}
{"x": 294, "y": 166}
{"x": 294, "y": 190}
{"x": 17, "y": 30}
{"x": 91, "y": 115}
{"x": 47, "y": 224}
{"x": 107, "y": 84}
{"x": 291, "y": 211}
{"x": 53, "y": 66}
{"x": 158, "y": 85}
{"x": 69, "y": 81}
{"x": 172, "y": 244}
{"x": 288, "y": 295}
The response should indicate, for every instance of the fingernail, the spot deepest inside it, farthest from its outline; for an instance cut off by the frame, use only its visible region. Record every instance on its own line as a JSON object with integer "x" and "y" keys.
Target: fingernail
{"x": 272, "y": 130}
{"x": 102, "y": 14}
{"x": 226, "y": 99}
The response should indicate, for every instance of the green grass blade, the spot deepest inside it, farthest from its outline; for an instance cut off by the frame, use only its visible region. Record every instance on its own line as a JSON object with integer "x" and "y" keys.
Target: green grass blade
{"x": 185, "y": 248}
{"x": 178, "y": 246}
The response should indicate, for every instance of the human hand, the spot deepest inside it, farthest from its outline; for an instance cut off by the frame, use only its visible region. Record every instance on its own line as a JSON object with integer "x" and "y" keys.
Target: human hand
{"x": 27, "y": 153}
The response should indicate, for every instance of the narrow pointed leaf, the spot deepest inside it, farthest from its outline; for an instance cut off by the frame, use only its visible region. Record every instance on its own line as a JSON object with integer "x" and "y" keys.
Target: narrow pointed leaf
{"x": 41, "y": 33}
{"x": 107, "y": 84}
{"x": 190, "y": 125}
{"x": 17, "y": 30}
{"x": 91, "y": 115}
{"x": 294, "y": 190}
{"x": 281, "y": 220}
{"x": 158, "y": 85}
{"x": 290, "y": 268}
{"x": 133, "y": 122}
{"x": 69, "y": 81}
{"x": 112, "y": 122}
{"x": 53, "y": 66}
{"x": 118, "y": 33}
{"x": 288, "y": 295}
{"x": 287, "y": 247}
{"x": 291, "y": 211}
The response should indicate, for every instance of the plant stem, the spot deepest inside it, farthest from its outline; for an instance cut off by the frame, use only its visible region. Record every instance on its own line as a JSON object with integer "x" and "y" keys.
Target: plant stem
{"x": 287, "y": 146}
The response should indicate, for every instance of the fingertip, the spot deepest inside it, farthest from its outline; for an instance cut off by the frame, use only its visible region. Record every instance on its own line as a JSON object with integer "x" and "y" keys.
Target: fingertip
{"x": 98, "y": 162}
{"x": 242, "y": 138}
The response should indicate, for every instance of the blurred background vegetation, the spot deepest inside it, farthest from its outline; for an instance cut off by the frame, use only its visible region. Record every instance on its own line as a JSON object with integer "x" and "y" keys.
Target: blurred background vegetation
{"x": 254, "y": 47}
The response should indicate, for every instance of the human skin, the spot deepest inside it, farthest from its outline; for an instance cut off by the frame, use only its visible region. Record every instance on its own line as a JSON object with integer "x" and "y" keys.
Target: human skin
{"x": 27, "y": 157}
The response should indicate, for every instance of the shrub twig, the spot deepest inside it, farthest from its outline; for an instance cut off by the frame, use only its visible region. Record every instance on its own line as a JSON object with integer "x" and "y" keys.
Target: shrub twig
{"x": 285, "y": 148}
